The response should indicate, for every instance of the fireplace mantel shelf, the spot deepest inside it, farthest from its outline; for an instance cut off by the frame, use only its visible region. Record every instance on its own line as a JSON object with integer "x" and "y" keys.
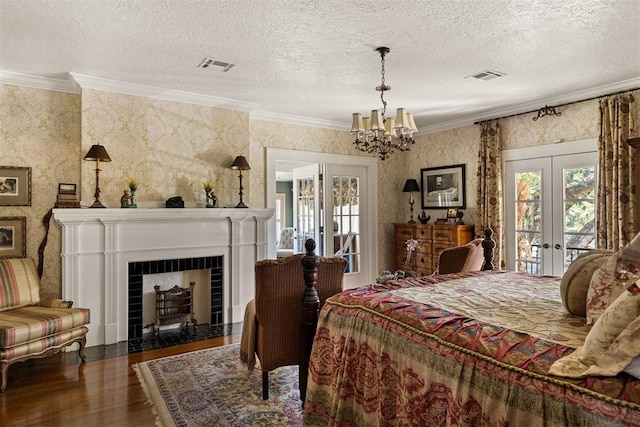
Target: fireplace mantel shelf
{"x": 159, "y": 214}
{"x": 99, "y": 244}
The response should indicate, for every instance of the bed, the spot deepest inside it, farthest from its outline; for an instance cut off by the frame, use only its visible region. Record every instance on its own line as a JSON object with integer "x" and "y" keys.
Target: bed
{"x": 456, "y": 350}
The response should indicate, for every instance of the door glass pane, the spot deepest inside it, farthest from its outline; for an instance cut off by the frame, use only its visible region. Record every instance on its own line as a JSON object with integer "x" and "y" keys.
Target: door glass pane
{"x": 579, "y": 211}
{"x": 306, "y": 211}
{"x": 528, "y": 231}
{"x": 346, "y": 220}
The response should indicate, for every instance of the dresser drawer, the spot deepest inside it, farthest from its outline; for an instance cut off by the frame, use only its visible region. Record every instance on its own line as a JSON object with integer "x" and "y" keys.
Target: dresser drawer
{"x": 424, "y": 247}
{"x": 404, "y": 232}
{"x": 423, "y": 261}
{"x": 401, "y": 262}
{"x": 443, "y": 234}
{"x": 423, "y": 232}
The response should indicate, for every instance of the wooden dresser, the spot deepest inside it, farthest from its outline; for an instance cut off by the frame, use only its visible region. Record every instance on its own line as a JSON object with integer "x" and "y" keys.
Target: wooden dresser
{"x": 432, "y": 239}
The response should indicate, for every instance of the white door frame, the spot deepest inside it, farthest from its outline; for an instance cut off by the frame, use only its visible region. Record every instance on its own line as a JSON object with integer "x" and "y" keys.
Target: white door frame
{"x": 369, "y": 255}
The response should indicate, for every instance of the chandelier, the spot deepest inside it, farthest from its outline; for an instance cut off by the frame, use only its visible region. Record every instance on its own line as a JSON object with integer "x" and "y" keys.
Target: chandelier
{"x": 379, "y": 134}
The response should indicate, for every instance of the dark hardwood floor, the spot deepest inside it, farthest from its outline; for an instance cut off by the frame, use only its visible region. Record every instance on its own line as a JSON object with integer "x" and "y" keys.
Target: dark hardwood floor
{"x": 104, "y": 391}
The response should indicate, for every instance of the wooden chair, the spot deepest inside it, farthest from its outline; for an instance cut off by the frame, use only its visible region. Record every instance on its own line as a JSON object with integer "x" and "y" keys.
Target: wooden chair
{"x": 279, "y": 286}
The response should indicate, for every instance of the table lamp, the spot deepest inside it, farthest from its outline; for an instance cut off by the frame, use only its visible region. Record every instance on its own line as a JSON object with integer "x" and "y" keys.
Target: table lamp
{"x": 98, "y": 153}
{"x": 411, "y": 186}
{"x": 240, "y": 164}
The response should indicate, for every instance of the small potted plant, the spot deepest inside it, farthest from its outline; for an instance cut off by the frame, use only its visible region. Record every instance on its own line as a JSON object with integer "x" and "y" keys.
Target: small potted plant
{"x": 133, "y": 187}
{"x": 211, "y": 198}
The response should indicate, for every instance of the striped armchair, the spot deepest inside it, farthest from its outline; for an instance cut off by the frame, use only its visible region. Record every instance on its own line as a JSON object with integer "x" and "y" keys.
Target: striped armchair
{"x": 31, "y": 326}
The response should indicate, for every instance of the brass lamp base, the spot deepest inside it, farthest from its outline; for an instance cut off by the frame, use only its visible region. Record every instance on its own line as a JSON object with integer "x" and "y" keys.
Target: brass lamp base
{"x": 97, "y": 204}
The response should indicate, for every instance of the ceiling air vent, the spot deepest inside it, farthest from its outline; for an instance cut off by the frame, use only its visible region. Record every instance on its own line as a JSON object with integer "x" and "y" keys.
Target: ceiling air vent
{"x": 487, "y": 75}
{"x": 213, "y": 64}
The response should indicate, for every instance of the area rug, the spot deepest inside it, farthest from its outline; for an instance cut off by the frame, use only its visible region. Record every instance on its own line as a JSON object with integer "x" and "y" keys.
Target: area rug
{"x": 212, "y": 388}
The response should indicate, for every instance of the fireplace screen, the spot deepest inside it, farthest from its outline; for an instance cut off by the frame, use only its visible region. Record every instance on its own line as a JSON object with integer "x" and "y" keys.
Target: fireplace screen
{"x": 174, "y": 306}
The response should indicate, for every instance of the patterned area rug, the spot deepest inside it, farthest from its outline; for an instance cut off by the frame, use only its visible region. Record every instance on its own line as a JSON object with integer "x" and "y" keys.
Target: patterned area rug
{"x": 212, "y": 388}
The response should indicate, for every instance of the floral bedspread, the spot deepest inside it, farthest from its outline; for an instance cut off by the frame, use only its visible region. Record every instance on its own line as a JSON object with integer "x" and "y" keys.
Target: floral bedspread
{"x": 472, "y": 350}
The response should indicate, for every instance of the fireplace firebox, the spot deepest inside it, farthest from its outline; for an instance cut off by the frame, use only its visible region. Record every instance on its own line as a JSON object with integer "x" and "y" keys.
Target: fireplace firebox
{"x": 140, "y": 268}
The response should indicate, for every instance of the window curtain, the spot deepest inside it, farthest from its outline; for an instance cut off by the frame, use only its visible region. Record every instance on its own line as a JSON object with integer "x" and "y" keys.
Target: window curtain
{"x": 617, "y": 197}
{"x": 489, "y": 192}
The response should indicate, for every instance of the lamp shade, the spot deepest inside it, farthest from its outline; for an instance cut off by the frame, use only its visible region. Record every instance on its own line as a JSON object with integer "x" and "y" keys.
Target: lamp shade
{"x": 411, "y": 186}
{"x": 358, "y": 124}
{"x": 98, "y": 152}
{"x": 240, "y": 163}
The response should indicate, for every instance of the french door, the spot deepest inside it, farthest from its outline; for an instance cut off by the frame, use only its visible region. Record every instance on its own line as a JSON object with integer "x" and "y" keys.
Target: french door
{"x": 327, "y": 208}
{"x": 550, "y": 211}
{"x": 307, "y": 207}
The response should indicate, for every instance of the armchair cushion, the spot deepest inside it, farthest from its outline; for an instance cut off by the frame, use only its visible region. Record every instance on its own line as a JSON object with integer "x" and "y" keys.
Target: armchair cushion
{"x": 26, "y": 324}
{"x": 19, "y": 283}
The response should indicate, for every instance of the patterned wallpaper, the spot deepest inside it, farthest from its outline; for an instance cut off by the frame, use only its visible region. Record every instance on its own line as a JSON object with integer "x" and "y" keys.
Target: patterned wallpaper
{"x": 41, "y": 129}
{"x": 172, "y": 147}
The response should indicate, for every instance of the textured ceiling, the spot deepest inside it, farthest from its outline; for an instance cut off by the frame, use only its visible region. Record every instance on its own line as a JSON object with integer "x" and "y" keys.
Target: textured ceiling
{"x": 316, "y": 59}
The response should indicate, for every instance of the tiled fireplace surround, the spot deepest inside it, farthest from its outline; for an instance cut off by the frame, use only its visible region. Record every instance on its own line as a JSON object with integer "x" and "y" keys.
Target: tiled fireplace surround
{"x": 101, "y": 246}
{"x": 137, "y": 270}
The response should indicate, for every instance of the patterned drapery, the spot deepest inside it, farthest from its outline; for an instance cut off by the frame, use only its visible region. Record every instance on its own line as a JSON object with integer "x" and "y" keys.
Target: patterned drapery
{"x": 489, "y": 193}
{"x": 617, "y": 197}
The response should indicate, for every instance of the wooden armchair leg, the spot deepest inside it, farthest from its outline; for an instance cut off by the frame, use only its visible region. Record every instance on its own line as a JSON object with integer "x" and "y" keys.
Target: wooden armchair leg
{"x": 265, "y": 385}
{"x": 83, "y": 343}
{"x": 3, "y": 376}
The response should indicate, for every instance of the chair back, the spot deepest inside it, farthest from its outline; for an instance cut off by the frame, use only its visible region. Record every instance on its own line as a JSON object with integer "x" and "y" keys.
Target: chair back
{"x": 279, "y": 288}
{"x": 19, "y": 283}
{"x": 460, "y": 259}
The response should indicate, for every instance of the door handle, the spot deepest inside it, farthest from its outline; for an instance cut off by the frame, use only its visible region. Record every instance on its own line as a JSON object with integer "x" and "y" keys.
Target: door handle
{"x": 545, "y": 246}
{"x": 557, "y": 246}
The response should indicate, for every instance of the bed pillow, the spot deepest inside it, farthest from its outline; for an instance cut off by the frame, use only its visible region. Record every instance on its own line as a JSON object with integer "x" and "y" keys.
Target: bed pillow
{"x": 604, "y": 288}
{"x": 634, "y": 368}
{"x": 575, "y": 281}
{"x": 611, "y": 344}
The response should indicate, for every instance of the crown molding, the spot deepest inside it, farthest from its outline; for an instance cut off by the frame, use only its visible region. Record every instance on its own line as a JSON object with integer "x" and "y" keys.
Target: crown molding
{"x": 97, "y": 83}
{"x": 513, "y": 110}
{"x": 298, "y": 120}
{"x": 38, "y": 82}
{"x": 77, "y": 81}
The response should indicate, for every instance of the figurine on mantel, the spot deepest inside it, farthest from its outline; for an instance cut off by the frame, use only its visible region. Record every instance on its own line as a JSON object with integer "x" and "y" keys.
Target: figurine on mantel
{"x": 212, "y": 199}
{"x": 125, "y": 200}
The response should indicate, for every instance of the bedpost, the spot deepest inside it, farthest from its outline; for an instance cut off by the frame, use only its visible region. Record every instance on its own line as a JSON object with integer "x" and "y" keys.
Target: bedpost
{"x": 488, "y": 244}
{"x": 310, "y": 307}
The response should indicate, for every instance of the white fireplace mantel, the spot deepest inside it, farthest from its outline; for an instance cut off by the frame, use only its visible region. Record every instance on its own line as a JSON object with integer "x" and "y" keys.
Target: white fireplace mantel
{"x": 98, "y": 244}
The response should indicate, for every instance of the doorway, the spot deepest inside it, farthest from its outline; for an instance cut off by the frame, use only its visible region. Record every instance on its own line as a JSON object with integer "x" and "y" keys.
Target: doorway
{"x": 550, "y": 206}
{"x": 335, "y": 202}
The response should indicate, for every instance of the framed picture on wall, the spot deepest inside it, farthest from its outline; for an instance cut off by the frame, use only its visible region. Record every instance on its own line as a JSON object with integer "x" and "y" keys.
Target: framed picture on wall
{"x": 15, "y": 186}
{"x": 443, "y": 187}
{"x": 13, "y": 233}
